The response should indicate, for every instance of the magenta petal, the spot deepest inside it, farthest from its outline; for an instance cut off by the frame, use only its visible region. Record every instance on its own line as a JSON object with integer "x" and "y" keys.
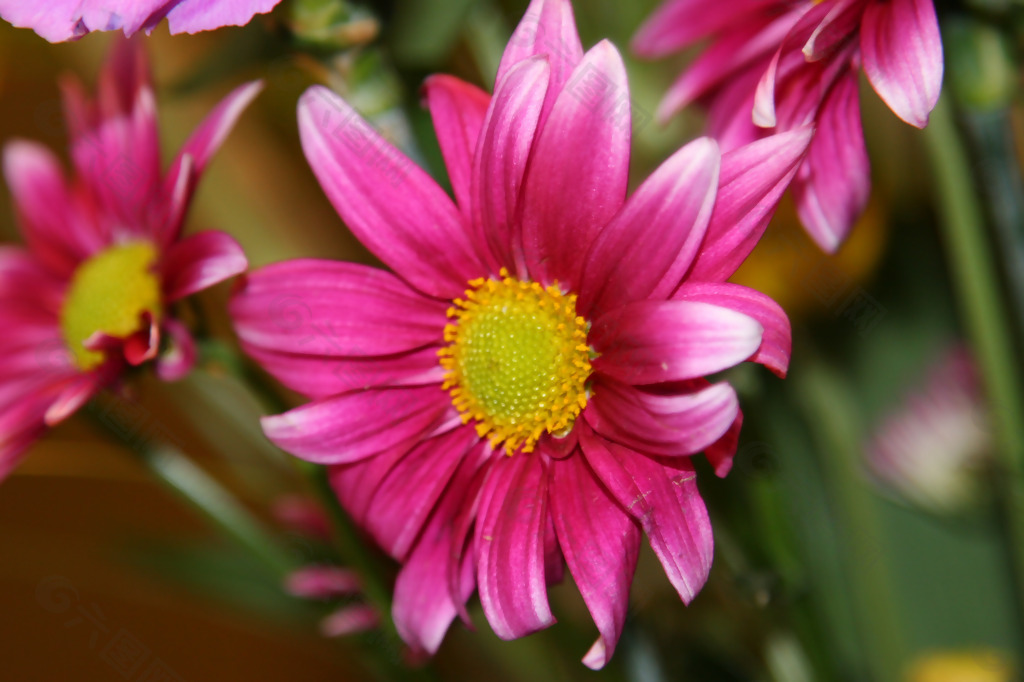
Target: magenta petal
{"x": 73, "y": 396}
{"x": 671, "y": 425}
{"x": 192, "y": 16}
{"x": 319, "y": 376}
{"x": 832, "y": 187}
{"x": 413, "y": 486}
{"x": 44, "y": 207}
{"x": 777, "y": 340}
{"x": 721, "y": 453}
{"x": 664, "y": 498}
{"x": 839, "y": 25}
{"x": 393, "y": 207}
{"x": 331, "y": 308}
{"x": 649, "y": 342}
{"x": 200, "y": 261}
{"x": 902, "y": 52}
{"x": 196, "y": 153}
{"x": 753, "y": 179}
{"x": 510, "y": 546}
{"x": 601, "y": 544}
{"x": 547, "y": 29}
{"x": 143, "y": 345}
{"x": 505, "y": 145}
{"x": 355, "y": 425}
{"x": 677, "y": 23}
{"x": 577, "y": 177}
{"x": 438, "y": 576}
{"x": 22, "y": 276}
{"x": 322, "y": 582}
{"x": 180, "y": 355}
{"x": 647, "y": 247}
{"x": 458, "y": 110}
{"x": 60, "y": 20}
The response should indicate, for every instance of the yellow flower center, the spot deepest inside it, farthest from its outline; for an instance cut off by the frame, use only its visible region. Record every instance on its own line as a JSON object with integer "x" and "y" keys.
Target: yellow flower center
{"x": 517, "y": 360}
{"x": 108, "y": 293}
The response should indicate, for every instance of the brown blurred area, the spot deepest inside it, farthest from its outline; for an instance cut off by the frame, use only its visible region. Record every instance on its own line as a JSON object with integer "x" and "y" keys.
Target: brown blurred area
{"x": 84, "y": 594}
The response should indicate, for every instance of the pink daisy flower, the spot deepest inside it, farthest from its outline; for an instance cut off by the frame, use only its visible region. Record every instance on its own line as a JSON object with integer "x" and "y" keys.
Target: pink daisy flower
{"x": 60, "y": 20}
{"x": 787, "y": 63}
{"x": 90, "y": 295}
{"x": 524, "y": 392}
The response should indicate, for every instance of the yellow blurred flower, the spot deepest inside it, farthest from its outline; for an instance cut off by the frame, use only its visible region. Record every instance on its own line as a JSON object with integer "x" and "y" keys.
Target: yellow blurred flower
{"x": 962, "y": 666}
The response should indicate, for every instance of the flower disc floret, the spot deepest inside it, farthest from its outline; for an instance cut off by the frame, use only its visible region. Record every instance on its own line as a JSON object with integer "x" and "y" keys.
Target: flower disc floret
{"x": 517, "y": 361}
{"x": 109, "y": 293}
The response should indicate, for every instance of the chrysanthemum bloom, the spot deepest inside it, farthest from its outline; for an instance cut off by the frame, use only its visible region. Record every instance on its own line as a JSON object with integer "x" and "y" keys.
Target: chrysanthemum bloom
{"x": 930, "y": 449}
{"x": 105, "y": 260}
{"x": 528, "y": 386}
{"x": 60, "y": 20}
{"x": 787, "y": 63}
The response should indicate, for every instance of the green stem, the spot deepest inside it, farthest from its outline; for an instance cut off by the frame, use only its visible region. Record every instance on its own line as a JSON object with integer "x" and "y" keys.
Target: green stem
{"x": 204, "y": 494}
{"x": 985, "y": 315}
{"x": 831, "y": 417}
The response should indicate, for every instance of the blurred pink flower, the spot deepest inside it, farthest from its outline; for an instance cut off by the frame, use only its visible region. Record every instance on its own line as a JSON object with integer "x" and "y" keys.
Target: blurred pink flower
{"x": 105, "y": 258}
{"x": 929, "y": 448}
{"x": 782, "y": 64}
{"x": 529, "y": 384}
{"x": 60, "y": 20}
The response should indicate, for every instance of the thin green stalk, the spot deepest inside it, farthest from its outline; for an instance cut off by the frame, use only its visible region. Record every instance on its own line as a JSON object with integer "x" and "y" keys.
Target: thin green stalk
{"x": 831, "y": 416}
{"x": 986, "y": 316}
{"x": 204, "y": 494}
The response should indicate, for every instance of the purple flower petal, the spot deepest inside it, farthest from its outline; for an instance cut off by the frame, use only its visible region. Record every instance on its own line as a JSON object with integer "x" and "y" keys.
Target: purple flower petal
{"x": 200, "y": 261}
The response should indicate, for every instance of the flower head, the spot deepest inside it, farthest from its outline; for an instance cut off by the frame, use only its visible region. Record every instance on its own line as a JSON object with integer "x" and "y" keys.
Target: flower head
{"x": 60, "y": 20}
{"x": 528, "y": 386}
{"x": 790, "y": 63}
{"x": 92, "y": 293}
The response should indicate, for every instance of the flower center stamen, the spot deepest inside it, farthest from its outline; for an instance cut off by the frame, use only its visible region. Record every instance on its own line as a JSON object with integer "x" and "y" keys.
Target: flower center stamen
{"x": 517, "y": 360}
{"x": 109, "y": 293}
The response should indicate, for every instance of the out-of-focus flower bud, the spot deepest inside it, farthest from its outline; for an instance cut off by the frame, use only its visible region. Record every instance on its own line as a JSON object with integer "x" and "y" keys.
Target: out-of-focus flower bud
{"x": 929, "y": 449}
{"x": 331, "y": 24}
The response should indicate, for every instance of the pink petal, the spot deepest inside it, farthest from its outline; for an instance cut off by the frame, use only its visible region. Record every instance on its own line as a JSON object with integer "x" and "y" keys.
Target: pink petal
{"x": 177, "y": 360}
{"x": 504, "y": 150}
{"x": 577, "y": 177}
{"x": 547, "y": 29}
{"x": 44, "y": 207}
{"x": 510, "y": 546}
{"x": 750, "y": 43}
{"x": 752, "y": 181}
{"x": 319, "y": 376}
{"x": 60, "y": 20}
{"x": 671, "y": 425}
{"x": 777, "y": 340}
{"x": 322, "y": 582}
{"x": 838, "y": 26}
{"x": 677, "y": 23}
{"x": 663, "y": 497}
{"x": 200, "y": 261}
{"x": 649, "y": 342}
{"x": 354, "y": 425}
{"x": 834, "y": 182}
{"x": 320, "y": 307}
{"x": 143, "y": 345}
{"x": 648, "y": 246}
{"x": 118, "y": 160}
{"x": 902, "y": 52}
{"x": 438, "y": 577}
{"x": 601, "y": 544}
{"x": 721, "y": 453}
{"x": 458, "y": 110}
{"x": 390, "y": 204}
{"x": 349, "y": 620}
{"x": 192, "y": 159}
{"x": 73, "y": 396}
{"x": 413, "y": 486}
{"x": 192, "y": 16}
{"x": 22, "y": 277}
